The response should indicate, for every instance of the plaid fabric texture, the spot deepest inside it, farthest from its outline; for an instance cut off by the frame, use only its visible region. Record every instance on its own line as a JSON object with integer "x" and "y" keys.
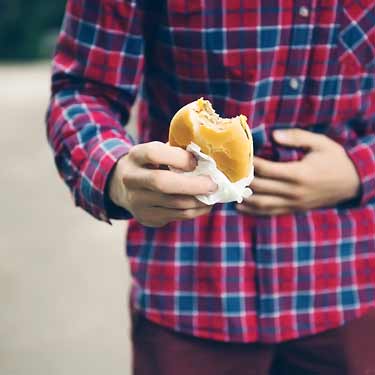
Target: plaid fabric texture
{"x": 289, "y": 63}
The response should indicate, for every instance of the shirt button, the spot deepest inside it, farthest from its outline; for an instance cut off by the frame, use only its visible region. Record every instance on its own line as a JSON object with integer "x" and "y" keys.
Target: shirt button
{"x": 294, "y": 84}
{"x": 303, "y": 11}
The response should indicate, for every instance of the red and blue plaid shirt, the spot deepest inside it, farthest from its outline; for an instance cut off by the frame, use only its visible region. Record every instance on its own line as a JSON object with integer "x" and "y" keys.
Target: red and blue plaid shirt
{"x": 283, "y": 63}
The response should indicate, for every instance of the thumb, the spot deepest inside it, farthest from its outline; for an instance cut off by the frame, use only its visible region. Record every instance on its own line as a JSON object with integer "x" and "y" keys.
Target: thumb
{"x": 300, "y": 138}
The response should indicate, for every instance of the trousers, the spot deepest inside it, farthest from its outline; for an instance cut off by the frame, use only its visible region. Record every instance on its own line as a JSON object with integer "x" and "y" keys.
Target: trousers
{"x": 347, "y": 350}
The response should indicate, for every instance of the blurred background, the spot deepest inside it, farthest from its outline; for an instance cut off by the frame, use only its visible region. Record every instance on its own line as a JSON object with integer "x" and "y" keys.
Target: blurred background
{"x": 63, "y": 276}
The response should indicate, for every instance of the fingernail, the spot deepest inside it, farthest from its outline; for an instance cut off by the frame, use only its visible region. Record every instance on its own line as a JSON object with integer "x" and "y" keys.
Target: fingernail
{"x": 213, "y": 187}
{"x": 193, "y": 162}
{"x": 280, "y": 135}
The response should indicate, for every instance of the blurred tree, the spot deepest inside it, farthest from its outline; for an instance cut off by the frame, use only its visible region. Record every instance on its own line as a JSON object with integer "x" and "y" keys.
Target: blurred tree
{"x": 25, "y": 25}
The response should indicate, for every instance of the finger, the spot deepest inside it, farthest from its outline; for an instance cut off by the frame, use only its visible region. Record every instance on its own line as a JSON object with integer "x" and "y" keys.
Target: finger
{"x": 268, "y": 202}
{"x": 157, "y": 153}
{"x": 272, "y": 212}
{"x": 169, "y": 182}
{"x": 155, "y": 199}
{"x": 273, "y": 187}
{"x": 160, "y": 216}
{"x": 301, "y": 138}
{"x": 192, "y": 213}
{"x": 276, "y": 170}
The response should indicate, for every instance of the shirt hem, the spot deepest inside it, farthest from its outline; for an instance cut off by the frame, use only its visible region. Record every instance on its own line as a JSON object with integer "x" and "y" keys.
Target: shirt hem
{"x": 158, "y": 318}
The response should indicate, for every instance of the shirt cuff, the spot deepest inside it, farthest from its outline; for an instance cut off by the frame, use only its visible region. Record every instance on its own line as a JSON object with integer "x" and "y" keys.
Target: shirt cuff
{"x": 94, "y": 179}
{"x": 112, "y": 210}
{"x": 363, "y": 158}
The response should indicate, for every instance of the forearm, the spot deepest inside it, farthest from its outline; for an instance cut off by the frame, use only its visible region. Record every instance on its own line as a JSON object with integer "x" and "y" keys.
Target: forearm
{"x": 97, "y": 69}
{"x": 87, "y": 138}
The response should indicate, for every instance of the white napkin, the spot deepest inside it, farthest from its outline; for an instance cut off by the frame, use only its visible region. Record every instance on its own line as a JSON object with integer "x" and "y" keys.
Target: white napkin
{"x": 227, "y": 191}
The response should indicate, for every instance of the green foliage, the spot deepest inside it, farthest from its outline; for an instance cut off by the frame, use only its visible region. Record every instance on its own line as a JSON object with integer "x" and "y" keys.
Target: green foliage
{"x": 26, "y": 27}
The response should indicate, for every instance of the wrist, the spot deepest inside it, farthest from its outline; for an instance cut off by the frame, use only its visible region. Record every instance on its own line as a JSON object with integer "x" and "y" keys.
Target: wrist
{"x": 354, "y": 188}
{"x": 355, "y": 191}
{"x": 116, "y": 188}
{"x": 350, "y": 182}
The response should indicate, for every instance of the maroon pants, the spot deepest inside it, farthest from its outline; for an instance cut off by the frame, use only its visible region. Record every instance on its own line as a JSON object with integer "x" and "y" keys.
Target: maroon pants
{"x": 348, "y": 350}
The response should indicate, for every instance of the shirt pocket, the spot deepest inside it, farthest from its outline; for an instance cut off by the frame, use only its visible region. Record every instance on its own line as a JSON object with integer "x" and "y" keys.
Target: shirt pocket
{"x": 182, "y": 39}
{"x": 201, "y": 47}
{"x": 356, "y": 40}
{"x": 184, "y": 16}
{"x": 184, "y": 7}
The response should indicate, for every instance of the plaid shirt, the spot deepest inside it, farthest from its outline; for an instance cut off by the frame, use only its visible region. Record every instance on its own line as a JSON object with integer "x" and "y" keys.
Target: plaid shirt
{"x": 289, "y": 63}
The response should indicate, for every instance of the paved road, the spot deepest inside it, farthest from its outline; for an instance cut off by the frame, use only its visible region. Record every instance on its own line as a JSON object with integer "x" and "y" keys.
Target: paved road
{"x": 63, "y": 276}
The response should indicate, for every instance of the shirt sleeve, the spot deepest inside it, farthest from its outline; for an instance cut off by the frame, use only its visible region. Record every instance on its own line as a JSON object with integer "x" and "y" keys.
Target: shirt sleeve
{"x": 97, "y": 69}
{"x": 362, "y": 154}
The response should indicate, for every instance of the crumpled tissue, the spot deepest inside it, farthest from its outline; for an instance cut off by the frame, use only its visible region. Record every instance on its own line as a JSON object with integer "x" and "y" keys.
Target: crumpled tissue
{"x": 227, "y": 191}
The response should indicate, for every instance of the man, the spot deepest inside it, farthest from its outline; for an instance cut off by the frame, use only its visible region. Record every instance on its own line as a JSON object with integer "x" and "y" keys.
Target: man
{"x": 283, "y": 283}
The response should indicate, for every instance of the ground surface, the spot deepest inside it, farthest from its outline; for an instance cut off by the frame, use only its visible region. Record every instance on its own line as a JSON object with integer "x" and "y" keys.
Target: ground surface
{"x": 63, "y": 276}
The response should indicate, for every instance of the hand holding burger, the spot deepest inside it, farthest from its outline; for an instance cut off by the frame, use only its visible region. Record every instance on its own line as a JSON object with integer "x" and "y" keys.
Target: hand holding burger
{"x": 157, "y": 196}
